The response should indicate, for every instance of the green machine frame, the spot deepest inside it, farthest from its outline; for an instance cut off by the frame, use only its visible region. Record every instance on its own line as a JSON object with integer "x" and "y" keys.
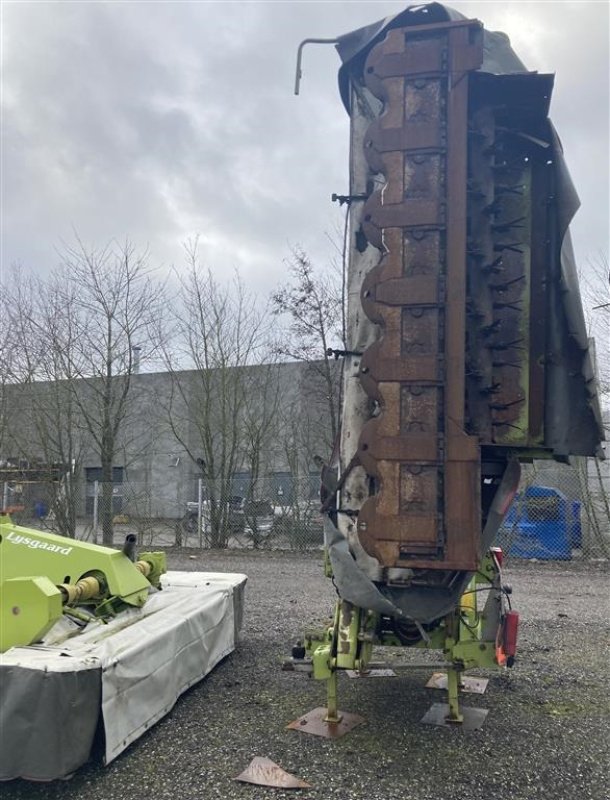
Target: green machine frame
{"x": 474, "y": 635}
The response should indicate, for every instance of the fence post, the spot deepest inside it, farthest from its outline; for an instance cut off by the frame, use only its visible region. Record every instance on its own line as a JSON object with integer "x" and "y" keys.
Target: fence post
{"x": 5, "y": 496}
{"x": 605, "y": 503}
{"x": 96, "y": 494}
{"x": 200, "y": 511}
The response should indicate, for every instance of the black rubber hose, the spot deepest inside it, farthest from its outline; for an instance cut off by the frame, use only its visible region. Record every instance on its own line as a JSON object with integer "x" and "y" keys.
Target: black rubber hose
{"x": 129, "y": 548}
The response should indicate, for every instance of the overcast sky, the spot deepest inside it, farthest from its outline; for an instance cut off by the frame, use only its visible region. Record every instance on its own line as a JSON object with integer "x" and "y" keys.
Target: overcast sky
{"x": 162, "y": 120}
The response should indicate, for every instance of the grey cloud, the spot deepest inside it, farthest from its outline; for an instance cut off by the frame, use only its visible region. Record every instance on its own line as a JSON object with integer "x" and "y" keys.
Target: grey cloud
{"x": 158, "y": 121}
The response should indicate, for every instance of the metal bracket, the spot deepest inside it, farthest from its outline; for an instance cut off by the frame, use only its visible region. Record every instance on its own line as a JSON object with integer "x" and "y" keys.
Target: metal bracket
{"x": 342, "y": 199}
{"x": 342, "y": 353}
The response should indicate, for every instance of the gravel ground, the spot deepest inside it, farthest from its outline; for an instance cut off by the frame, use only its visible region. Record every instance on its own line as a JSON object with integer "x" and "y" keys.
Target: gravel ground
{"x": 546, "y": 735}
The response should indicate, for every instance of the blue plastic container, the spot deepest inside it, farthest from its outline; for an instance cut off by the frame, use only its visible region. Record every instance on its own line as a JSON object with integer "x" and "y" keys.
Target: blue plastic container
{"x": 542, "y": 523}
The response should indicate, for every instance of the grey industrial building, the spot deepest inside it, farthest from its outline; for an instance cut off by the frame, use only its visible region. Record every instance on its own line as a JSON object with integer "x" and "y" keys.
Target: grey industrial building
{"x": 159, "y": 460}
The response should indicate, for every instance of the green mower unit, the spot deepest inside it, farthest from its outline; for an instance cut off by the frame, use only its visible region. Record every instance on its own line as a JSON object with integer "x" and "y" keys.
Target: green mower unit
{"x": 43, "y": 576}
{"x": 86, "y": 632}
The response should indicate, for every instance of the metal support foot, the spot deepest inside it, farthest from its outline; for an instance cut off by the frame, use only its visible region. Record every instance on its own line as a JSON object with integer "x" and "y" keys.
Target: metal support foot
{"x": 328, "y": 722}
{"x": 450, "y": 714}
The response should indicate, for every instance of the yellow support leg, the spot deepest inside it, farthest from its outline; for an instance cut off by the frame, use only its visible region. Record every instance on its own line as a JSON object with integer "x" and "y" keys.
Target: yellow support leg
{"x": 332, "y": 710}
{"x": 453, "y": 686}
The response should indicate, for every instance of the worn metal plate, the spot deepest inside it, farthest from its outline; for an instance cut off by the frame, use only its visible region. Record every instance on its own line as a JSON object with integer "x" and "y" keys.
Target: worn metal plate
{"x": 370, "y": 673}
{"x": 265, "y": 772}
{"x": 314, "y": 723}
{"x": 426, "y": 508}
{"x": 438, "y": 714}
{"x": 468, "y": 684}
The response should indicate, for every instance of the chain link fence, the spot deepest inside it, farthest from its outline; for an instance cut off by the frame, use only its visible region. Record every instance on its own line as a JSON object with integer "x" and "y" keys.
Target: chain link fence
{"x": 560, "y": 513}
{"x": 278, "y": 512}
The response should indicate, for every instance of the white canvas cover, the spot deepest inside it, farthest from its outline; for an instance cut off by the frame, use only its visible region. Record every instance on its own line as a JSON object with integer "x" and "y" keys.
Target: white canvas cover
{"x": 134, "y": 667}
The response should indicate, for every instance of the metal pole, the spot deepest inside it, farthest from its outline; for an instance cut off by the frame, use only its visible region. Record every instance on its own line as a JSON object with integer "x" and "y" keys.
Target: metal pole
{"x": 5, "y": 496}
{"x": 299, "y": 71}
{"x": 200, "y": 510}
{"x": 96, "y": 486}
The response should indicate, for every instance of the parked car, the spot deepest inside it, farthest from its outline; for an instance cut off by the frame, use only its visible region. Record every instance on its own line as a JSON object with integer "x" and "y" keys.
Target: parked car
{"x": 254, "y": 518}
{"x": 235, "y": 514}
{"x": 301, "y": 522}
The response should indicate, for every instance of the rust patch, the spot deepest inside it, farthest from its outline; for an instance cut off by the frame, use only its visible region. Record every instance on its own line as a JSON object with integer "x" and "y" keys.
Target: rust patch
{"x": 427, "y": 469}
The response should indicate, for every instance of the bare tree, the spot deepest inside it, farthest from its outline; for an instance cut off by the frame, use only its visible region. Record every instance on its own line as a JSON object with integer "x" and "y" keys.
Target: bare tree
{"x": 219, "y": 340}
{"x": 311, "y": 303}
{"x": 594, "y": 474}
{"x": 115, "y": 304}
{"x": 46, "y": 428}
{"x": 260, "y": 442}
{"x": 300, "y": 437}
{"x": 8, "y": 375}
{"x": 595, "y": 287}
{"x": 7, "y": 367}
